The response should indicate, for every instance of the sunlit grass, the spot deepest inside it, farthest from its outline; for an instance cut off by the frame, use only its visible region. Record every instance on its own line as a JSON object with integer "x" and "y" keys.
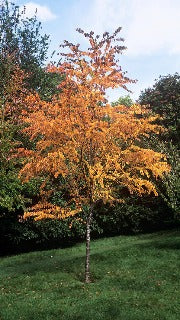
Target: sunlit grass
{"x": 134, "y": 278}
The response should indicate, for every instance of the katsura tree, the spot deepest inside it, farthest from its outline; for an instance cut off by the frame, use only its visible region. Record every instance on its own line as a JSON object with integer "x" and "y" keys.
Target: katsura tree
{"x": 89, "y": 145}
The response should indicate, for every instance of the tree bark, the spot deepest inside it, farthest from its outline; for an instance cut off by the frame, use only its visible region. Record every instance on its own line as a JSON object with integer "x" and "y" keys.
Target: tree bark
{"x": 88, "y": 238}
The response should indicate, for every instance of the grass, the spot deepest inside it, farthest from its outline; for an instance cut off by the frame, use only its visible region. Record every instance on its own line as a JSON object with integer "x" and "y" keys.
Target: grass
{"x": 134, "y": 278}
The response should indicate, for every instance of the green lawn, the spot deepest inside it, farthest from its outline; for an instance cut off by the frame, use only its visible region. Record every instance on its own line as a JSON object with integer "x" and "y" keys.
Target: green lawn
{"x": 134, "y": 278}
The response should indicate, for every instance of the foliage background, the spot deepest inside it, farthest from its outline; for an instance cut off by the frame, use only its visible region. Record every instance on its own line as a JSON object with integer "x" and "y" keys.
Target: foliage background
{"x": 22, "y": 44}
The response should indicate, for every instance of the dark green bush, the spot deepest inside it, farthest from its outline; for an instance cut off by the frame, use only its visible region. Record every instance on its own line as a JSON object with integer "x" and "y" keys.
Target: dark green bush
{"x": 131, "y": 219}
{"x": 134, "y": 216}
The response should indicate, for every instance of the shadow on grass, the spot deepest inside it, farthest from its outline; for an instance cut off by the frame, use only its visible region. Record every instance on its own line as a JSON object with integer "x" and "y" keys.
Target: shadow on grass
{"x": 166, "y": 241}
{"x": 166, "y": 245}
{"x": 55, "y": 261}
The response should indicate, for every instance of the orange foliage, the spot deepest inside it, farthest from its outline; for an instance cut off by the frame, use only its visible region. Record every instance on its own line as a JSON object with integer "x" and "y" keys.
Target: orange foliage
{"x": 45, "y": 210}
{"x": 13, "y": 91}
{"x": 93, "y": 145}
{"x": 12, "y": 102}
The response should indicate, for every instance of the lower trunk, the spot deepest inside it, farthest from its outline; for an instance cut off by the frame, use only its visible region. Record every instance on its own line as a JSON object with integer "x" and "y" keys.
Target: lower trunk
{"x": 88, "y": 238}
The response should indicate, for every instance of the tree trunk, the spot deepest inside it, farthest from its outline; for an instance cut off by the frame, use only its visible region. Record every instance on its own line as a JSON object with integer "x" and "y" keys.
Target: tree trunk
{"x": 88, "y": 238}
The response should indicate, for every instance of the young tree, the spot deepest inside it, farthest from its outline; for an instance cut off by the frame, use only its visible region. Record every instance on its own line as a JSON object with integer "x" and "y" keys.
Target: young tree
{"x": 85, "y": 142}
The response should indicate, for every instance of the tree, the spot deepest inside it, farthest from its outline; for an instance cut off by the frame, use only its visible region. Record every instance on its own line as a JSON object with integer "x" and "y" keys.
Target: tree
{"x": 169, "y": 186}
{"x": 126, "y": 101}
{"x": 21, "y": 38}
{"x": 86, "y": 143}
{"x": 12, "y": 97}
{"x": 164, "y": 99}
{"x": 23, "y": 51}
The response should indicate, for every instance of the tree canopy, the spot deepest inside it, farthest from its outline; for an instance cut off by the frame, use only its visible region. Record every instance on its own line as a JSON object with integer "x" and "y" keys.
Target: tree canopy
{"x": 164, "y": 99}
{"x": 21, "y": 38}
{"x": 89, "y": 144}
{"x": 124, "y": 100}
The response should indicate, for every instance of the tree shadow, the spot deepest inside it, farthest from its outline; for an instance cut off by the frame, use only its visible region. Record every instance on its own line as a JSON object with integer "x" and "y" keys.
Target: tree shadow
{"x": 163, "y": 240}
{"x": 56, "y": 261}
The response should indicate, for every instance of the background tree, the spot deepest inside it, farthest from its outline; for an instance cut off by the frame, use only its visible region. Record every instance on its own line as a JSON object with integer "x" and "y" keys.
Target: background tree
{"x": 22, "y": 37}
{"x": 90, "y": 146}
{"x": 126, "y": 101}
{"x": 12, "y": 99}
{"x": 23, "y": 52}
{"x": 164, "y": 98}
